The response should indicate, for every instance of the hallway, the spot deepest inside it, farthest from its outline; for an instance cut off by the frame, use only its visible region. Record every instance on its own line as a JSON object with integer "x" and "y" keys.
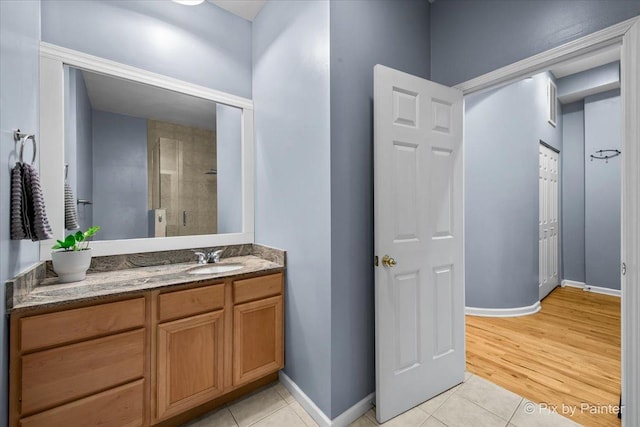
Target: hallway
{"x": 566, "y": 355}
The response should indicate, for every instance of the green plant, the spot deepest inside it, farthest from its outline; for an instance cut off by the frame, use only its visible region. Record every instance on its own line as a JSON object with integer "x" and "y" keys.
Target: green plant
{"x": 73, "y": 242}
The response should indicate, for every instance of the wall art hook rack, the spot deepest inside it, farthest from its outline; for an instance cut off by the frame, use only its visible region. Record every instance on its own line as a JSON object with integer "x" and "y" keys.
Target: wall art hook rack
{"x": 23, "y": 137}
{"x": 605, "y": 155}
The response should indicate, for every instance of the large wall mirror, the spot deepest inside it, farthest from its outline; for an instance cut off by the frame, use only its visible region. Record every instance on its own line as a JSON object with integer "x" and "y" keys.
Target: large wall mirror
{"x": 156, "y": 162}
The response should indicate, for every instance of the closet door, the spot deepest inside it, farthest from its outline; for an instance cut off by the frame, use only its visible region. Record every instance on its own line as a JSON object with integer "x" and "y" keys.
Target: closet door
{"x": 548, "y": 223}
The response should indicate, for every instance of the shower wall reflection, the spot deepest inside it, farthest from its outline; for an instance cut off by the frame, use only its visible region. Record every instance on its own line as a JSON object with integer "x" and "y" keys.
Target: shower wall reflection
{"x": 183, "y": 178}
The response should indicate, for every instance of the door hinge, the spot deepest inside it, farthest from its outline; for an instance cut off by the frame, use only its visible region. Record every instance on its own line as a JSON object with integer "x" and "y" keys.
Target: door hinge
{"x": 624, "y": 268}
{"x": 375, "y": 260}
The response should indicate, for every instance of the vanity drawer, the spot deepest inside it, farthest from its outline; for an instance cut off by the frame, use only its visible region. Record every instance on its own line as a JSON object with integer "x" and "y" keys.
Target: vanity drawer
{"x": 119, "y": 407}
{"x": 178, "y": 304}
{"x": 56, "y": 376}
{"x": 67, "y": 326}
{"x": 257, "y": 288}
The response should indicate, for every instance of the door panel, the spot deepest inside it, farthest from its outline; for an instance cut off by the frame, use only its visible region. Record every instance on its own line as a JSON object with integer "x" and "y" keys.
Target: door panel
{"x": 258, "y": 339}
{"x": 444, "y": 310}
{"x": 408, "y": 332}
{"x": 190, "y": 362}
{"x": 418, "y": 222}
{"x": 405, "y": 170}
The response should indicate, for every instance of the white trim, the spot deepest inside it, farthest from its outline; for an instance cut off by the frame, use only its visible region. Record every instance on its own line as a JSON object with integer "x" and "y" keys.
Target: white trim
{"x": 503, "y": 312}
{"x": 573, "y": 284}
{"x": 342, "y": 420}
{"x": 354, "y": 412}
{"x": 552, "y": 103}
{"x": 626, "y": 33}
{"x": 112, "y": 68}
{"x": 630, "y": 70}
{"x": 304, "y": 401}
{"x": 591, "y": 288}
{"x": 529, "y": 66}
{"x": 52, "y": 60}
{"x": 49, "y": 147}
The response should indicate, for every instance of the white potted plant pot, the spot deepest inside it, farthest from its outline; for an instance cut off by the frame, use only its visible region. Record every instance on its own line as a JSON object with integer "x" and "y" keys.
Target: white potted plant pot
{"x": 71, "y": 266}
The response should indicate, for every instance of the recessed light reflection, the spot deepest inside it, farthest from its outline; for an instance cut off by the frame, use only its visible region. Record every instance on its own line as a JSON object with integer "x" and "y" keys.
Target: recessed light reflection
{"x": 189, "y": 2}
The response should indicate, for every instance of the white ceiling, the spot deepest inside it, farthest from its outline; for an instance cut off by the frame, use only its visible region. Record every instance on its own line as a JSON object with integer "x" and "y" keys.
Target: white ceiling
{"x": 586, "y": 62}
{"x": 120, "y": 96}
{"x": 247, "y": 9}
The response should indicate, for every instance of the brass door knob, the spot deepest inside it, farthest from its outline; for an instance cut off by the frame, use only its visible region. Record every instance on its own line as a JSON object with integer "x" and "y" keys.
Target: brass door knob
{"x": 387, "y": 261}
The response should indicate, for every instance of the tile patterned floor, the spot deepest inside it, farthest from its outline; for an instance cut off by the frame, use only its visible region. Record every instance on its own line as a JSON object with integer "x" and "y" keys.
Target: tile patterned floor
{"x": 474, "y": 403}
{"x": 272, "y": 406}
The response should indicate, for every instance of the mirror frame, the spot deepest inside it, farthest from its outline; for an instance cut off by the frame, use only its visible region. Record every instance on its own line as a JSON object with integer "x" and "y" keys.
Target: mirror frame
{"x": 53, "y": 58}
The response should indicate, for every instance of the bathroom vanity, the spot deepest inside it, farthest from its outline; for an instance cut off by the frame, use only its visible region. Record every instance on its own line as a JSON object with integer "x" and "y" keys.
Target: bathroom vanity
{"x": 144, "y": 346}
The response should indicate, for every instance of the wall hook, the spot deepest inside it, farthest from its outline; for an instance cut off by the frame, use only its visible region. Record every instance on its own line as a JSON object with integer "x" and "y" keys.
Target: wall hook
{"x": 23, "y": 137}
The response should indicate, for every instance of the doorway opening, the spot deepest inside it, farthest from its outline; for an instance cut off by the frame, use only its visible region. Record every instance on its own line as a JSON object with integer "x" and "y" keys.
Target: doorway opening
{"x": 563, "y": 351}
{"x": 405, "y": 113}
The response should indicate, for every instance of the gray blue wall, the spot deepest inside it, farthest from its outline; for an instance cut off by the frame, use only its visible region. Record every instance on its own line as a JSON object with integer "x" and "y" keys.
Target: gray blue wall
{"x": 203, "y": 44}
{"x": 591, "y": 203}
{"x": 573, "y": 165}
{"x": 19, "y": 103}
{"x": 229, "y": 166}
{"x": 470, "y": 37}
{"x": 503, "y": 129}
{"x": 363, "y": 34}
{"x": 602, "y": 130}
{"x": 78, "y": 142}
{"x": 120, "y": 176}
{"x": 293, "y": 198}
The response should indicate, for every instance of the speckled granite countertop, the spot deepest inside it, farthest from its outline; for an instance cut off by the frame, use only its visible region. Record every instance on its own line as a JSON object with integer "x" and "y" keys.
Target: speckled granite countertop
{"x": 100, "y": 285}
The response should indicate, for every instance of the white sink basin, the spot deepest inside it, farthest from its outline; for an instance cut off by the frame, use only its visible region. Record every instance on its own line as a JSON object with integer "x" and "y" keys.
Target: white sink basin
{"x": 215, "y": 269}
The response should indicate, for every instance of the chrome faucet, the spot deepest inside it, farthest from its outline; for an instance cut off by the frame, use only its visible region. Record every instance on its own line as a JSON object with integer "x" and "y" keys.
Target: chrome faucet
{"x": 214, "y": 256}
{"x": 202, "y": 257}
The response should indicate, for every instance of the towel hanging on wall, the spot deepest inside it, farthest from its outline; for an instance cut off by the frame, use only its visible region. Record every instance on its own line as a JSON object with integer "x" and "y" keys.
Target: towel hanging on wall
{"x": 70, "y": 206}
{"x": 28, "y": 214}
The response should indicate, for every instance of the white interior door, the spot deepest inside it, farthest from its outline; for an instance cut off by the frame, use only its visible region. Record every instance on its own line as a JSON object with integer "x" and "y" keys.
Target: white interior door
{"x": 419, "y": 301}
{"x": 548, "y": 230}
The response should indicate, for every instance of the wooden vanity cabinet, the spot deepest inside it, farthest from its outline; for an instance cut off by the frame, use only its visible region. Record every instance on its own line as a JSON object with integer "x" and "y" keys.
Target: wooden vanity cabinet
{"x": 160, "y": 357}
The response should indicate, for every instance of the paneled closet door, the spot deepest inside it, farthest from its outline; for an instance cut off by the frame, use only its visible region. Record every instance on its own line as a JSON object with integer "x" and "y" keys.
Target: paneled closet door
{"x": 548, "y": 223}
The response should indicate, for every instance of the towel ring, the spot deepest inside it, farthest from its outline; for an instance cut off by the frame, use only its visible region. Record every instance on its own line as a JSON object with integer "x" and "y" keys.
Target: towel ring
{"x": 23, "y": 138}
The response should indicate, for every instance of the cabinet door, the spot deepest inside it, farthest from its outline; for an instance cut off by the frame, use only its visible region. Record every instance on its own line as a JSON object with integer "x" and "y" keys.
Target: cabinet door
{"x": 258, "y": 344}
{"x": 190, "y": 362}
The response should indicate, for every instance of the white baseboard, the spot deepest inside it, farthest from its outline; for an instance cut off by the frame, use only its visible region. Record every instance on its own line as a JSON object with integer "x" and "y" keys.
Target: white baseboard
{"x": 304, "y": 401}
{"x": 591, "y": 288}
{"x": 503, "y": 312}
{"x": 355, "y": 412}
{"x": 342, "y": 420}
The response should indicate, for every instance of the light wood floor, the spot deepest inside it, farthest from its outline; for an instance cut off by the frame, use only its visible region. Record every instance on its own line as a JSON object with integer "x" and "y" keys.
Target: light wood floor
{"x": 568, "y": 353}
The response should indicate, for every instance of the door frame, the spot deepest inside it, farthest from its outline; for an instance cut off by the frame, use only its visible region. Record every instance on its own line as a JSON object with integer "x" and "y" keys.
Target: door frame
{"x": 559, "y": 208}
{"x": 627, "y": 35}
